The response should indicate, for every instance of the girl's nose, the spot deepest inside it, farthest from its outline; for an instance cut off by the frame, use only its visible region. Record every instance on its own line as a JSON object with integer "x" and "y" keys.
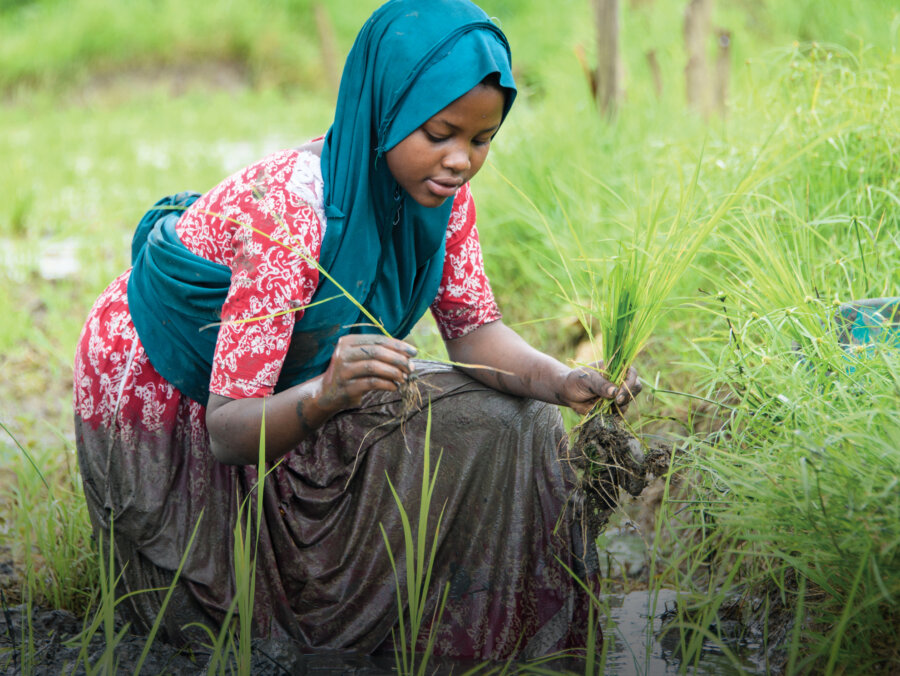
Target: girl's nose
{"x": 457, "y": 159}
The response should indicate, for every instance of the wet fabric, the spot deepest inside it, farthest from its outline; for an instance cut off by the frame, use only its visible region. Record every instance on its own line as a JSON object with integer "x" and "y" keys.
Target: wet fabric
{"x": 175, "y": 298}
{"x": 324, "y": 576}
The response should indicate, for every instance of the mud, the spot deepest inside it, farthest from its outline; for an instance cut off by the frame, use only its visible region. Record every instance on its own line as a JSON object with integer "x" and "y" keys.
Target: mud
{"x": 50, "y": 642}
{"x": 609, "y": 460}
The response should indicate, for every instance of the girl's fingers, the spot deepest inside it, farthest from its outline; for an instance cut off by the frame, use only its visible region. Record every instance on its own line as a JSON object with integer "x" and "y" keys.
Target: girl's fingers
{"x": 377, "y": 353}
{"x": 602, "y": 387}
{"x": 360, "y": 386}
{"x": 630, "y": 389}
{"x": 369, "y": 340}
{"x": 376, "y": 348}
{"x": 373, "y": 368}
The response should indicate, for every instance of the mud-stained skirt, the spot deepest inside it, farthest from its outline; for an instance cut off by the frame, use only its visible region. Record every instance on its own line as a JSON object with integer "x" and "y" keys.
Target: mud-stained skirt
{"x": 324, "y": 577}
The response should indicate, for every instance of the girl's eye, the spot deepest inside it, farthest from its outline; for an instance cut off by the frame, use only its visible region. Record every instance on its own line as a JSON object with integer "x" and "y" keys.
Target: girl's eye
{"x": 435, "y": 139}
{"x": 482, "y": 142}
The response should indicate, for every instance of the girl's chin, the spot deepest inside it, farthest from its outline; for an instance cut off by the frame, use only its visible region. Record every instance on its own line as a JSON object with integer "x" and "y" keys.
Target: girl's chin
{"x": 428, "y": 199}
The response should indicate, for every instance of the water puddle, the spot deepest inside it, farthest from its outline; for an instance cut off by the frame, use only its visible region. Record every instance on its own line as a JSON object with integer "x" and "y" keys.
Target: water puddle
{"x": 640, "y": 646}
{"x": 51, "y": 259}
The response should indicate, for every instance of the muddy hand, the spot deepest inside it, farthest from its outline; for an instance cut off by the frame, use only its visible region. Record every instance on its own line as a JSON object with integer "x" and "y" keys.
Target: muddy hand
{"x": 586, "y": 384}
{"x": 362, "y": 363}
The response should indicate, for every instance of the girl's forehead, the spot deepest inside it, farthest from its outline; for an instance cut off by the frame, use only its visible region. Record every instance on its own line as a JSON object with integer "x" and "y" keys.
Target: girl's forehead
{"x": 481, "y": 106}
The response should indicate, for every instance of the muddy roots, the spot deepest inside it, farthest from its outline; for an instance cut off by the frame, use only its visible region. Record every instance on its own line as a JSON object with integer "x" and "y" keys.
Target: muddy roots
{"x": 410, "y": 397}
{"x": 609, "y": 459}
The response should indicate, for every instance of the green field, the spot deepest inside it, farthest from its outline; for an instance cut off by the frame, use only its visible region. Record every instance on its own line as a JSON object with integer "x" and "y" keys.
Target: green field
{"x": 784, "y": 491}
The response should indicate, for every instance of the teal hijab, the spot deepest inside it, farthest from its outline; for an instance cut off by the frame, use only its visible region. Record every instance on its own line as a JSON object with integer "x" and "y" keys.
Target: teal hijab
{"x": 411, "y": 59}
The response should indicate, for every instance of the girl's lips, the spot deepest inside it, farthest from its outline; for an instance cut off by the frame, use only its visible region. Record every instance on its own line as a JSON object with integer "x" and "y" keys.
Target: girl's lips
{"x": 442, "y": 189}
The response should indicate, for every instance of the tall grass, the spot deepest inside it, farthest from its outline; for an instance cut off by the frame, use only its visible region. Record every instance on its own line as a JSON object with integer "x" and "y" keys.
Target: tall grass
{"x": 808, "y": 469}
{"x": 793, "y": 499}
{"x": 797, "y": 491}
{"x": 49, "y": 532}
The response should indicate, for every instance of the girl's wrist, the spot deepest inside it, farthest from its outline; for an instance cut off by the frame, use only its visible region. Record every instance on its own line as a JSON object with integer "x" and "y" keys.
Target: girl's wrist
{"x": 314, "y": 407}
{"x": 560, "y": 381}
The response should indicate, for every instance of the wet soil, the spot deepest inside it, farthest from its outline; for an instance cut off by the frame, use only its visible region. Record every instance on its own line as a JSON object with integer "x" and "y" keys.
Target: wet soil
{"x": 610, "y": 459}
{"x": 48, "y": 641}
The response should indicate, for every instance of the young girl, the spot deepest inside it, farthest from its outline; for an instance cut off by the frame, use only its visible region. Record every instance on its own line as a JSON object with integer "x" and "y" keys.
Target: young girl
{"x": 246, "y": 300}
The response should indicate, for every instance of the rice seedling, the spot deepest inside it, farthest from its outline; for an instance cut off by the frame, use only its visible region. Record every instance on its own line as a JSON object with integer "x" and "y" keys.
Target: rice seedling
{"x": 419, "y": 561}
{"x": 239, "y": 617}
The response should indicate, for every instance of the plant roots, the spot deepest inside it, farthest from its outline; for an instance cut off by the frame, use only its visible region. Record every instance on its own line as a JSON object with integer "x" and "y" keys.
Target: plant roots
{"x": 609, "y": 458}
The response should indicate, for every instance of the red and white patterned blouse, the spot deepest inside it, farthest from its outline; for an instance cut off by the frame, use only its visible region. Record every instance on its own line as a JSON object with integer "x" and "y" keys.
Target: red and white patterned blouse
{"x": 266, "y": 223}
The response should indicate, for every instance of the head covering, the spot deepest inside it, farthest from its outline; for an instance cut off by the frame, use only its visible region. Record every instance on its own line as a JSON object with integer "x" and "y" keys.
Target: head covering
{"x": 411, "y": 59}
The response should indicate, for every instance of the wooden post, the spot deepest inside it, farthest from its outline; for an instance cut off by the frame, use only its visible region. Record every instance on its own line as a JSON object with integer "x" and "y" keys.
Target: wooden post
{"x": 723, "y": 71}
{"x": 328, "y": 45}
{"x": 609, "y": 66}
{"x": 696, "y": 72}
{"x": 653, "y": 63}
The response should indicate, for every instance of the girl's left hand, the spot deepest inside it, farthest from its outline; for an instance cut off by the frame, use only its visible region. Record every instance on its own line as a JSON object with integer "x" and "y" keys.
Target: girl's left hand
{"x": 584, "y": 385}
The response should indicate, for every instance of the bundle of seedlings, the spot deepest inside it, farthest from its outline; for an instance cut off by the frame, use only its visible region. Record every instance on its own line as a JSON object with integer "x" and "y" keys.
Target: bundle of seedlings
{"x": 628, "y": 296}
{"x": 604, "y": 451}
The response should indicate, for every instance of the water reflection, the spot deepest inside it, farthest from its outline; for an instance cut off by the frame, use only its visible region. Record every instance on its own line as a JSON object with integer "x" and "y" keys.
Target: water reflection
{"x": 51, "y": 259}
{"x": 640, "y": 646}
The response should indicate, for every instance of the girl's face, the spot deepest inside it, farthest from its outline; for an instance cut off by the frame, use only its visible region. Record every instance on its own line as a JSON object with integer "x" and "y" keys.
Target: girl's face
{"x": 437, "y": 158}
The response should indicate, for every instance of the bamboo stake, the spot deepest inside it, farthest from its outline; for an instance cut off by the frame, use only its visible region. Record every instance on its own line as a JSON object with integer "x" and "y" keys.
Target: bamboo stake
{"x": 609, "y": 67}
{"x": 655, "y": 72}
{"x": 696, "y": 72}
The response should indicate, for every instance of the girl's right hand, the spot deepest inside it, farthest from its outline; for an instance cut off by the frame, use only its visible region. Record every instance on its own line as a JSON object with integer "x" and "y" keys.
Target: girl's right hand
{"x": 362, "y": 363}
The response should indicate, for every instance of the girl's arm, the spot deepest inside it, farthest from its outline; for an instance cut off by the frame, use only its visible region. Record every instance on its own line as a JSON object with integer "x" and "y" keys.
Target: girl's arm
{"x": 534, "y": 374}
{"x": 360, "y": 363}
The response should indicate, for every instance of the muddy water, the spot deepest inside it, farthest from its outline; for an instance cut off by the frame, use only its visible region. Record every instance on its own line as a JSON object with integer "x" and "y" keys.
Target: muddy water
{"x": 50, "y": 259}
{"x": 639, "y": 646}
